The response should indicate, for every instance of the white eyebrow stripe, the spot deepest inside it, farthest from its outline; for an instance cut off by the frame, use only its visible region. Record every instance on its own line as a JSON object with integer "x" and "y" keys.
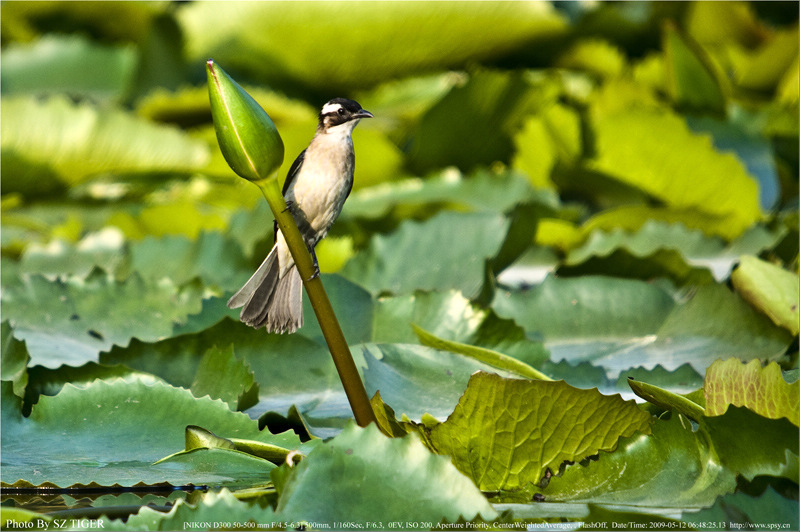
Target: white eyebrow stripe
{"x": 331, "y": 108}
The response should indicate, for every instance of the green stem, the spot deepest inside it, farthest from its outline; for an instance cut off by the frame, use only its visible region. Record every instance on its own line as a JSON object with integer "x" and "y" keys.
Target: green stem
{"x": 342, "y": 359}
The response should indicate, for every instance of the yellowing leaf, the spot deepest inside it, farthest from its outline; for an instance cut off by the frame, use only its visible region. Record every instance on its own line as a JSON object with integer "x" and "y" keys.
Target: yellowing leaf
{"x": 595, "y": 55}
{"x": 762, "y": 390}
{"x": 306, "y": 42}
{"x": 560, "y": 234}
{"x": 74, "y": 142}
{"x": 657, "y": 153}
{"x": 505, "y": 433}
{"x": 535, "y": 153}
{"x": 770, "y": 289}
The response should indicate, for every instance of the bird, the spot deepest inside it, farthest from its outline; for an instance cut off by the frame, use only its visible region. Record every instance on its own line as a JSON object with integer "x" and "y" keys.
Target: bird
{"x": 316, "y": 187}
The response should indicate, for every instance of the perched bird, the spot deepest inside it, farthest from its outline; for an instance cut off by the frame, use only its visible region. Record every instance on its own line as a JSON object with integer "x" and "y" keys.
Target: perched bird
{"x": 315, "y": 190}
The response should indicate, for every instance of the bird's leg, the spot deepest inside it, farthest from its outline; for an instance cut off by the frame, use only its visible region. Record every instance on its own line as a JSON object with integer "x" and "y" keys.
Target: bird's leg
{"x": 289, "y": 205}
{"x": 316, "y": 266}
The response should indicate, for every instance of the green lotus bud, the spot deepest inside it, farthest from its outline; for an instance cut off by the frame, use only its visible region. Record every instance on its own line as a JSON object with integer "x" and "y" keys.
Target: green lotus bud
{"x": 245, "y": 132}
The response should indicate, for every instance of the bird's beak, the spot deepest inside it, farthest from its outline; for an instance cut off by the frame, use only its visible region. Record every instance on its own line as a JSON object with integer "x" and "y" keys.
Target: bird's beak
{"x": 363, "y": 113}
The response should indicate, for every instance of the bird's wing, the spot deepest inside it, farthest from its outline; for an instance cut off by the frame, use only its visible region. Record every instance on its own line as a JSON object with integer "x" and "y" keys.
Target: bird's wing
{"x": 352, "y": 165}
{"x": 289, "y": 178}
{"x": 293, "y": 171}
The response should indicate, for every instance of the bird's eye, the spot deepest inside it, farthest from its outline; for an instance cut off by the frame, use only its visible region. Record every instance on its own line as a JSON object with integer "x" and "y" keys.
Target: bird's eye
{"x": 341, "y": 111}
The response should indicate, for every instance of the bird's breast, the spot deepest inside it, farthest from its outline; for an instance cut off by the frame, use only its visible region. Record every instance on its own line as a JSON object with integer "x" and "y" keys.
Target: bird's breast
{"x": 322, "y": 184}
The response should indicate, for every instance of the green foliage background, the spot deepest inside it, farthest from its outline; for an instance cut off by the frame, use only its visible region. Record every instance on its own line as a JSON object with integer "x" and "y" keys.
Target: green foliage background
{"x": 605, "y": 193}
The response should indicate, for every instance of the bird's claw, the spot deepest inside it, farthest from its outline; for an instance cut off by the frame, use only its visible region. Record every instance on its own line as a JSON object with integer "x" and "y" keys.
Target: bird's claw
{"x": 316, "y": 274}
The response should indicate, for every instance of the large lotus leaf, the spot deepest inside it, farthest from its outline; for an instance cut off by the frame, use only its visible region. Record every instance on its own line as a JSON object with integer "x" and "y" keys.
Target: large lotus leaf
{"x": 216, "y": 260}
{"x": 506, "y": 433}
{"x": 275, "y": 360}
{"x": 71, "y": 322}
{"x": 222, "y": 376}
{"x": 70, "y": 64}
{"x": 495, "y": 101}
{"x": 220, "y": 508}
{"x": 674, "y": 466}
{"x": 353, "y": 306}
{"x": 587, "y": 318}
{"x": 762, "y": 390}
{"x": 50, "y": 381}
{"x": 748, "y": 512}
{"x": 104, "y": 249}
{"x": 677, "y": 466}
{"x": 110, "y": 432}
{"x": 564, "y": 308}
{"x": 751, "y": 445}
{"x": 640, "y": 149}
{"x": 214, "y": 310}
{"x": 770, "y": 289}
{"x": 715, "y": 323}
{"x": 671, "y": 250}
{"x": 77, "y": 141}
{"x": 619, "y": 323}
{"x": 15, "y": 360}
{"x": 754, "y": 150}
{"x": 416, "y": 380}
{"x": 451, "y": 316}
{"x": 372, "y": 480}
{"x": 414, "y": 257}
{"x": 481, "y": 191}
{"x": 416, "y": 37}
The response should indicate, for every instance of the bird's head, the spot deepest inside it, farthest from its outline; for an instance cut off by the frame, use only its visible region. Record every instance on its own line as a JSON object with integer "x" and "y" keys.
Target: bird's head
{"x": 341, "y": 114}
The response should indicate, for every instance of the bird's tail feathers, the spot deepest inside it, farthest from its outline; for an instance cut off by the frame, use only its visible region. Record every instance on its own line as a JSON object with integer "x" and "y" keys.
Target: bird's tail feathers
{"x": 268, "y": 268}
{"x": 285, "y": 312}
{"x": 271, "y": 300}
